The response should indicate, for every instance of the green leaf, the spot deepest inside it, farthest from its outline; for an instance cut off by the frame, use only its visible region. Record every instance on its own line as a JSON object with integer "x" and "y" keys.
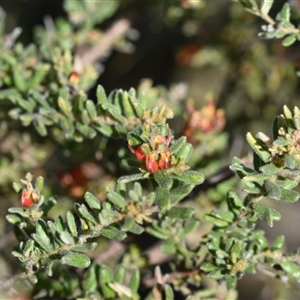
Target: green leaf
{"x": 85, "y": 118}
{"x": 65, "y": 107}
{"x": 285, "y": 14}
{"x": 92, "y": 201}
{"x": 169, "y": 294}
{"x": 208, "y": 267}
{"x": 259, "y": 146}
{"x": 40, "y": 126}
{"x": 39, "y": 183}
{"x": 162, "y": 196}
{"x": 84, "y": 213}
{"x": 113, "y": 233}
{"x": 297, "y": 117}
{"x": 91, "y": 108}
{"x": 278, "y": 243}
{"x": 190, "y": 177}
{"x": 168, "y": 246}
{"x": 163, "y": 179}
{"x": 177, "y": 145}
{"x": 266, "y": 6}
{"x": 189, "y": 227}
{"x": 234, "y": 201}
{"x": 231, "y": 282}
{"x": 114, "y": 112}
{"x": 91, "y": 281}
{"x": 130, "y": 178}
{"x": 181, "y": 213}
{"x": 180, "y": 192}
{"x": 185, "y": 152}
{"x": 71, "y": 224}
{"x": 217, "y": 274}
{"x": 14, "y": 219}
{"x": 265, "y": 213}
{"x": 86, "y": 247}
{"x": 17, "y": 187}
{"x": 291, "y": 268}
{"x": 279, "y": 193}
{"x": 227, "y": 216}
{"x": 19, "y": 80}
{"x": 26, "y": 119}
{"x": 236, "y": 248}
{"x": 116, "y": 198}
{"x": 128, "y": 223}
{"x": 289, "y": 40}
{"x": 67, "y": 127}
{"x": 18, "y": 255}
{"x": 86, "y": 130}
{"x": 105, "y": 278}
{"x": 270, "y": 169}
{"x": 42, "y": 236}
{"x": 157, "y": 232}
{"x": 59, "y": 224}
{"x": 127, "y": 104}
{"x": 216, "y": 221}
{"x": 120, "y": 274}
{"x": 66, "y": 237}
{"x": 137, "y": 229}
{"x": 134, "y": 282}
{"x": 75, "y": 259}
{"x": 108, "y": 216}
{"x": 288, "y": 116}
{"x": 138, "y": 189}
{"x": 29, "y": 247}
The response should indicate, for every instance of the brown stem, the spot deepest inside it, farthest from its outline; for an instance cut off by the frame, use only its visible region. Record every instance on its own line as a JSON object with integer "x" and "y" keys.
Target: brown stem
{"x": 118, "y": 29}
{"x": 170, "y": 277}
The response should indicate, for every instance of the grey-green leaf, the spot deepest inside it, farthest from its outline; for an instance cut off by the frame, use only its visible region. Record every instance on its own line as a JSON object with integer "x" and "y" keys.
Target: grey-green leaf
{"x": 92, "y": 201}
{"x": 182, "y": 213}
{"x": 71, "y": 223}
{"x": 113, "y": 233}
{"x": 291, "y": 268}
{"x": 162, "y": 196}
{"x": 75, "y": 259}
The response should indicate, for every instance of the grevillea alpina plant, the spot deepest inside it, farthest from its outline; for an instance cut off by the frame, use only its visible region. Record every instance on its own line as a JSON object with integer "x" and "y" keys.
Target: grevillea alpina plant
{"x": 156, "y": 222}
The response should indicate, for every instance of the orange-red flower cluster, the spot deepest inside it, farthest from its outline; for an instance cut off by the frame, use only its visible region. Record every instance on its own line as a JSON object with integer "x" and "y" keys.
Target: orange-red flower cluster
{"x": 208, "y": 119}
{"x": 158, "y": 157}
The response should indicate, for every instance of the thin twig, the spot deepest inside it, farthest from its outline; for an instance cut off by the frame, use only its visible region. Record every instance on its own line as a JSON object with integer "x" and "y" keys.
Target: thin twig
{"x": 171, "y": 277}
{"x": 9, "y": 282}
{"x": 118, "y": 29}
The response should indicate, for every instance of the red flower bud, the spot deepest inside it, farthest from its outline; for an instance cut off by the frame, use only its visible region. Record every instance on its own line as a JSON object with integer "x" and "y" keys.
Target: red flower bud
{"x": 29, "y": 197}
{"x": 26, "y": 199}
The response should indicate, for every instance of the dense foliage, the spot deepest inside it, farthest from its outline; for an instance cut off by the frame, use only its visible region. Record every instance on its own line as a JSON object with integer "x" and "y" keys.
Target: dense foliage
{"x": 127, "y": 195}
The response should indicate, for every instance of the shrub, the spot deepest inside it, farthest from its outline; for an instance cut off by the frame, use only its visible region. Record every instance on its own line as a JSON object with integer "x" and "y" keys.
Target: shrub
{"x": 157, "y": 213}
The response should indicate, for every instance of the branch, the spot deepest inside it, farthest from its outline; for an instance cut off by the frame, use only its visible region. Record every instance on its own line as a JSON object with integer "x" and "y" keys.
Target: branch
{"x": 118, "y": 29}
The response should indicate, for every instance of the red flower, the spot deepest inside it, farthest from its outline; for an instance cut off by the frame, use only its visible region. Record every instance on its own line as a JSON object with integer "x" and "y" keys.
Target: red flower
{"x": 26, "y": 199}
{"x": 151, "y": 163}
{"x": 139, "y": 153}
{"x": 164, "y": 161}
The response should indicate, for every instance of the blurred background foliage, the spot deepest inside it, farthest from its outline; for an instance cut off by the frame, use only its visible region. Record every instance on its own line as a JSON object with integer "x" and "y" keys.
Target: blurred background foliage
{"x": 202, "y": 50}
